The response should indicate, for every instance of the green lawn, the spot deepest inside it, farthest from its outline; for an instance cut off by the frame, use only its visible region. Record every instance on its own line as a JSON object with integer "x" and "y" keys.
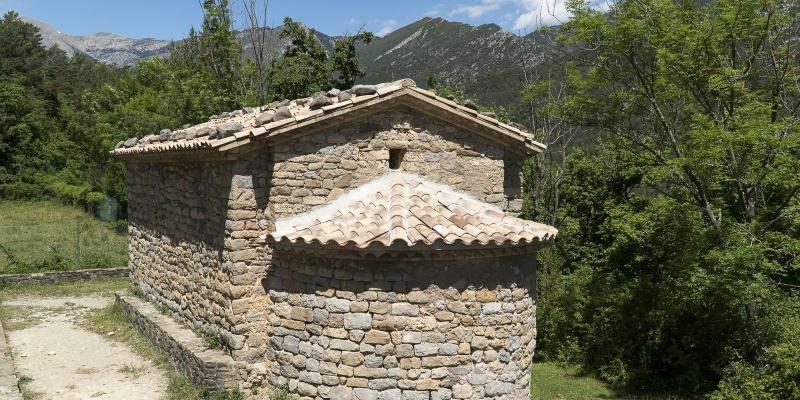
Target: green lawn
{"x": 42, "y": 236}
{"x": 555, "y": 381}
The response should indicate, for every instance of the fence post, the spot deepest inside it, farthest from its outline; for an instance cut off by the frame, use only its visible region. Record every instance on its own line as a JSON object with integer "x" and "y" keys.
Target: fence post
{"x": 77, "y": 245}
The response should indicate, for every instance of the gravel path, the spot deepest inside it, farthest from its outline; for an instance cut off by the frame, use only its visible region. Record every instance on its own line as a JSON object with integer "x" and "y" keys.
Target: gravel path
{"x": 67, "y": 362}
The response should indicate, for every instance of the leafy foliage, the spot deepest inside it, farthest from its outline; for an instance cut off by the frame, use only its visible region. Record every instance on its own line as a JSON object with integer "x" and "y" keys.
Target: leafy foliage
{"x": 61, "y": 115}
{"x": 679, "y": 229}
{"x": 304, "y": 67}
{"x": 345, "y": 59}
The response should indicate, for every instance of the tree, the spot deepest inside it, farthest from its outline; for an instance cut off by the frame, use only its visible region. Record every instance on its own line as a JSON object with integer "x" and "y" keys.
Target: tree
{"x": 304, "y": 68}
{"x": 345, "y": 59}
{"x": 679, "y": 247}
{"x": 221, "y": 52}
{"x": 21, "y": 51}
{"x": 261, "y": 43}
{"x": 706, "y": 94}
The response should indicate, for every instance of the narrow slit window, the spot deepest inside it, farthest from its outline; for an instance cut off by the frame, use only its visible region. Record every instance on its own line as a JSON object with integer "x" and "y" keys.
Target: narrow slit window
{"x": 396, "y": 158}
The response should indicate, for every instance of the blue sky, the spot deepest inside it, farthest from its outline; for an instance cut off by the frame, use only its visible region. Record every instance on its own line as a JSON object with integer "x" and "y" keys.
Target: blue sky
{"x": 171, "y": 19}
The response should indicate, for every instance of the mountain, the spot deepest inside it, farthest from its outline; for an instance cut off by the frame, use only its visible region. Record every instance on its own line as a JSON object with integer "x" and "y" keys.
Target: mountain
{"x": 123, "y": 51}
{"x": 103, "y": 46}
{"x": 273, "y": 44}
{"x": 483, "y": 61}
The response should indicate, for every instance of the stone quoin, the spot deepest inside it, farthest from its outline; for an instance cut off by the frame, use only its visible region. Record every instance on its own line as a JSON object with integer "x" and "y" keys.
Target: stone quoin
{"x": 358, "y": 244}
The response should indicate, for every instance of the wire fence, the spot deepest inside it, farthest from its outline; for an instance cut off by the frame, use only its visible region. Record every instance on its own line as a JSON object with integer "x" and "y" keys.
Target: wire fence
{"x": 62, "y": 245}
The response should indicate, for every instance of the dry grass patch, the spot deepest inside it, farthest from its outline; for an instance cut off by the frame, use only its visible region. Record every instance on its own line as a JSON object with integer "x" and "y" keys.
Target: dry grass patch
{"x": 179, "y": 387}
{"x": 16, "y": 318}
{"x": 102, "y": 287}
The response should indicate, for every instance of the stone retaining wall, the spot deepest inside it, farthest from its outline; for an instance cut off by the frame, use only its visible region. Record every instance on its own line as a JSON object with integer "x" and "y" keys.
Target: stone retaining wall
{"x": 66, "y": 276}
{"x": 210, "y": 368}
{"x": 419, "y": 330}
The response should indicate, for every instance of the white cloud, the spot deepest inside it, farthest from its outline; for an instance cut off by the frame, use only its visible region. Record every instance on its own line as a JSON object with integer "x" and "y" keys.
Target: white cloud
{"x": 536, "y": 13}
{"x": 529, "y": 14}
{"x": 386, "y": 27}
{"x": 435, "y": 11}
{"x": 480, "y": 9}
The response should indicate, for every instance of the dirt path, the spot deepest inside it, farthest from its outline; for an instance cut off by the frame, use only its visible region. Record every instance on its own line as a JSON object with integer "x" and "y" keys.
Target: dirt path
{"x": 67, "y": 362}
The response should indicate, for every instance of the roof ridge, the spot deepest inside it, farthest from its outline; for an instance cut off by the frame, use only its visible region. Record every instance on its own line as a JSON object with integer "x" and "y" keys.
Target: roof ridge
{"x": 236, "y": 128}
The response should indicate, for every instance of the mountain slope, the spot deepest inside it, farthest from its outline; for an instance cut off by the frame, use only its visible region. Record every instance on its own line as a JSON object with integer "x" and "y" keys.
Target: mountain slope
{"x": 274, "y": 45}
{"x": 483, "y": 61}
{"x": 106, "y": 47}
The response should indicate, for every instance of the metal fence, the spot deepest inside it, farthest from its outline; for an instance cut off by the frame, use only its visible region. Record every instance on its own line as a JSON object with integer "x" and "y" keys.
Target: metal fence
{"x": 62, "y": 245}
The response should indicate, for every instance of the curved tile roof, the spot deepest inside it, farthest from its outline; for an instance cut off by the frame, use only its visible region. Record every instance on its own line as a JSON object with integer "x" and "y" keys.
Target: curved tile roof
{"x": 234, "y": 129}
{"x": 405, "y": 210}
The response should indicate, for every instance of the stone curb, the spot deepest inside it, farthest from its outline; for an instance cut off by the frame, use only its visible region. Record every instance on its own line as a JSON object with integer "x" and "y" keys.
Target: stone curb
{"x": 65, "y": 276}
{"x": 210, "y": 368}
{"x": 9, "y": 389}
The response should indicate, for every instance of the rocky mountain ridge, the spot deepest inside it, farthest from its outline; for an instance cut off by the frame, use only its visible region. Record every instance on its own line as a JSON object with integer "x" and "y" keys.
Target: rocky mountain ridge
{"x": 485, "y": 62}
{"x": 103, "y": 46}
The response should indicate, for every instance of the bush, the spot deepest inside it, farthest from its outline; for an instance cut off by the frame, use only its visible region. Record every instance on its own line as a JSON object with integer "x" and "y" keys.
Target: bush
{"x": 20, "y": 190}
{"x": 774, "y": 375}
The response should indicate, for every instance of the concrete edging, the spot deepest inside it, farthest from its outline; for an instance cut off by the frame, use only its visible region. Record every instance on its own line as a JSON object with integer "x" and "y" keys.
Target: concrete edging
{"x": 66, "y": 276}
{"x": 9, "y": 386}
{"x": 210, "y": 368}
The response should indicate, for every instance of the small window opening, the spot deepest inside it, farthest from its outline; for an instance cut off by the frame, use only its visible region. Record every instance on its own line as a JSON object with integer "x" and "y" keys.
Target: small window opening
{"x": 396, "y": 158}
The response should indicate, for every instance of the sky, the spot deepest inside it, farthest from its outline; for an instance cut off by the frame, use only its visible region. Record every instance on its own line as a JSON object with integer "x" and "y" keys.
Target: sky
{"x": 171, "y": 19}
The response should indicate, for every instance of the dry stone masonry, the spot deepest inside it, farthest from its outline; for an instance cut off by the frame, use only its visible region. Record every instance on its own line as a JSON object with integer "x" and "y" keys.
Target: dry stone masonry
{"x": 413, "y": 330}
{"x": 358, "y": 244}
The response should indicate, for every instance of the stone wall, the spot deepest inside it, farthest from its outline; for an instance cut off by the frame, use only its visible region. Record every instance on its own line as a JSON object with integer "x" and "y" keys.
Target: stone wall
{"x": 65, "y": 276}
{"x": 177, "y": 231}
{"x": 194, "y": 242}
{"x": 210, "y": 368}
{"x": 196, "y": 228}
{"x": 317, "y": 168}
{"x": 426, "y": 330}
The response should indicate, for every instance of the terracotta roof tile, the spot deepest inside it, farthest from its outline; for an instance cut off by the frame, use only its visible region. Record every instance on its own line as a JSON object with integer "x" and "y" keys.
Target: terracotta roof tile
{"x": 420, "y": 213}
{"x": 218, "y": 133}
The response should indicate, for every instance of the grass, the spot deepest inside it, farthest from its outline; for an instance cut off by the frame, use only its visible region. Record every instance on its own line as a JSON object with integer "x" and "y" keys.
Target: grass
{"x": 27, "y": 393}
{"x": 557, "y": 381}
{"x": 41, "y": 236}
{"x": 554, "y": 381}
{"x": 102, "y": 322}
{"x": 16, "y": 318}
{"x": 179, "y": 387}
{"x": 104, "y": 286}
{"x": 210, "y": 341}
{"x": 133, "y": 371}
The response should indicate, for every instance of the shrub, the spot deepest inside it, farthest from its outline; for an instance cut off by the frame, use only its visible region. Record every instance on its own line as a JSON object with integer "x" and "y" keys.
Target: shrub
{"x": 774, "y": 375}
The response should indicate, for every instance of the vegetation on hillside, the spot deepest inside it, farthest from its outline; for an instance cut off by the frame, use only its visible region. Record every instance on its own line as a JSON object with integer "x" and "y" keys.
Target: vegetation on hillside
{"x": 677, "y": 267}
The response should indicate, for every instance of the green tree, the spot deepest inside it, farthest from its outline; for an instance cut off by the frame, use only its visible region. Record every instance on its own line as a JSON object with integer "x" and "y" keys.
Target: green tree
{"x": 304, "y": 67}
{"x": 220, "y": 51}
{"x": 680, "y": 230}
{"x": 345, "y": 59}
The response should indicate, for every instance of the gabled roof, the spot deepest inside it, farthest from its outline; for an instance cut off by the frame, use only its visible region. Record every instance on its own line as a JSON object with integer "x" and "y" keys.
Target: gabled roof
{"x": 405, "y": 212}
{"x": 234, "y": 131}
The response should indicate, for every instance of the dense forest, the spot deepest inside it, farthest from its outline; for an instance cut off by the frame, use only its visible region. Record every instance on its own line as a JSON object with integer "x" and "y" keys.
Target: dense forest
{"x": 672, "y": 170}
